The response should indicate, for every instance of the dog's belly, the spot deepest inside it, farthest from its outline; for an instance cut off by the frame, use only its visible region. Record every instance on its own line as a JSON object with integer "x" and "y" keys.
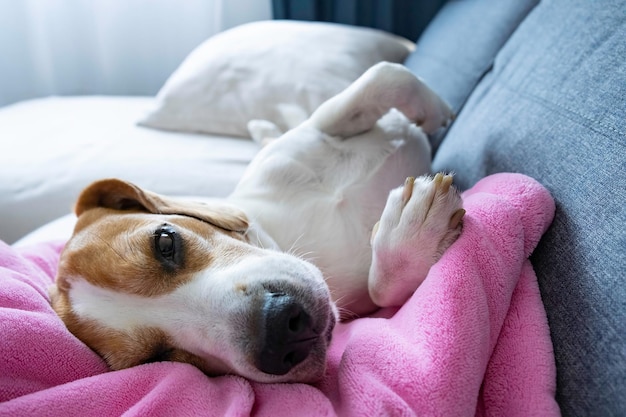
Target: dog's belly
{"x": 319, "y": 197}
{"x": 330, "y": 232}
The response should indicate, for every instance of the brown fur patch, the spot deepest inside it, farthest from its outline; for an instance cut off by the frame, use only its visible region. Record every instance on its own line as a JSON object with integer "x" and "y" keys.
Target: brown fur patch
{"x": 116, "y": 251}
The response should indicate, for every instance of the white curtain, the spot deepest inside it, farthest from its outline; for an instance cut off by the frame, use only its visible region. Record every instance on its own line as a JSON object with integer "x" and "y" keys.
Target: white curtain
{"x": 122, "y": 47}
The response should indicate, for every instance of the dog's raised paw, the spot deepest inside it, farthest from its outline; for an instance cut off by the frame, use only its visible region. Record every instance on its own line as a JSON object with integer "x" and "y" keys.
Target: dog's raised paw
{"x": 420, "y": 221}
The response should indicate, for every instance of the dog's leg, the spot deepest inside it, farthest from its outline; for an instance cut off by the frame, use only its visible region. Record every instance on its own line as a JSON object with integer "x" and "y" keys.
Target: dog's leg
{"x": 381, "y": 88}
{"x": 420, "y": 221}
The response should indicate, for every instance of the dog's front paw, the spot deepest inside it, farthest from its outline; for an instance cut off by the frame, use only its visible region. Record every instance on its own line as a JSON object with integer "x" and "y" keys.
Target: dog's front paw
{"x": 420, "y": 221}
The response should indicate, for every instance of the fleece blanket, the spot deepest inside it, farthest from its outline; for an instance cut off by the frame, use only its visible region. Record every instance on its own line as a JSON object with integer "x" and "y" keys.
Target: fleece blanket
{"x": 473, "y": 340}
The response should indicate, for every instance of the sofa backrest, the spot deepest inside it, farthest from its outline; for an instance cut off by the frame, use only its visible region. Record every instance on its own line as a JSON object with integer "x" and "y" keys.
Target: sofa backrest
{"x": 541, "y": 90}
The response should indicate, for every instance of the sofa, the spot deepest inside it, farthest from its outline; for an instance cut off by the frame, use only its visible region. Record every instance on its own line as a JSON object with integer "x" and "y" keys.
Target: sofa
{"x": 538, "y": 87}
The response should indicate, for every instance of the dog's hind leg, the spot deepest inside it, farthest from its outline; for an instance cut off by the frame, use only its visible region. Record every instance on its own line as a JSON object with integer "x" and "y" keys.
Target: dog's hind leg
{"x": 381, "y": 88}
{"x": 420, "y": 221}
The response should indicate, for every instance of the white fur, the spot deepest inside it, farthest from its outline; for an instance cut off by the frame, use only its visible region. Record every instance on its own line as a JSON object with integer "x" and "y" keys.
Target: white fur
{"x": 319, "y": 189}
{"x": 189, "y": 327}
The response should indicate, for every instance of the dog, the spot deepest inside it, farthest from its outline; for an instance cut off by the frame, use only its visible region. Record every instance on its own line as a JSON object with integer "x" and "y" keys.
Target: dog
{"x": 328, "y": 222}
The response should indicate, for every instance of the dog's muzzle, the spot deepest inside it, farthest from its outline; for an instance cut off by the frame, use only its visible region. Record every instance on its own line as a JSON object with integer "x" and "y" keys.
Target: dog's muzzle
{"x": 287, "y": 333}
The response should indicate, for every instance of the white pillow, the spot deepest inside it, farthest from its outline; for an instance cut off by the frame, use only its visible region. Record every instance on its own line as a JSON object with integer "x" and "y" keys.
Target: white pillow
{"x": 274, "y": 70}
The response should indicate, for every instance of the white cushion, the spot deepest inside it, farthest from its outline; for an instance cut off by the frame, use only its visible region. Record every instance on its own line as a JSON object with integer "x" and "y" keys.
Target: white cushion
{"x": 275, "y": 70}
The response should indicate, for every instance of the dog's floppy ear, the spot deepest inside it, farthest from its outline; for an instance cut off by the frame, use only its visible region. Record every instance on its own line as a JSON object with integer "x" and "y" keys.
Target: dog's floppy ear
{"x": 121, "y": 195}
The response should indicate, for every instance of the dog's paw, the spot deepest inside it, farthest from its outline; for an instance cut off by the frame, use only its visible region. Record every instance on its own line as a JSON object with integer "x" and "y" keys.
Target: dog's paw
{"x": 420, "y": 221}
{"x": 428, "y": 110}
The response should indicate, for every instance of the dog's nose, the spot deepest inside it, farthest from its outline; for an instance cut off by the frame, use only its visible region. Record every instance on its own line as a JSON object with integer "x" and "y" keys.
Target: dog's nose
{"x": 288, "y": 334}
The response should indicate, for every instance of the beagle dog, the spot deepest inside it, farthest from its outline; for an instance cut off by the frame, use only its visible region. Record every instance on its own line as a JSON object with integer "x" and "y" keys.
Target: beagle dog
{"x": 328, "y": 222}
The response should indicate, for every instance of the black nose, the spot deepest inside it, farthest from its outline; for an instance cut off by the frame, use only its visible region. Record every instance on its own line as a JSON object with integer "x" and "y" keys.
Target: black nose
{"x": 287, "y": 333}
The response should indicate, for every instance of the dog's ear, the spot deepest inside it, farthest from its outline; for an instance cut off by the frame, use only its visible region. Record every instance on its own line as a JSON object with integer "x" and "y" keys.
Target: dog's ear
{"x": 121, "y": 195}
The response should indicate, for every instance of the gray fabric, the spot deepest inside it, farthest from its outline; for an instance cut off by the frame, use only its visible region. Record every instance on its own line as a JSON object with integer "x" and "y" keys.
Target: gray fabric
{"x": 472, "y": 32}
{"x": 554, "y": 107}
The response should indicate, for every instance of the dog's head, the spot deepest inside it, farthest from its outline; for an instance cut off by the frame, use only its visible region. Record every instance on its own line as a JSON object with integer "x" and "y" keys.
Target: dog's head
{"x": 146, "y": 278}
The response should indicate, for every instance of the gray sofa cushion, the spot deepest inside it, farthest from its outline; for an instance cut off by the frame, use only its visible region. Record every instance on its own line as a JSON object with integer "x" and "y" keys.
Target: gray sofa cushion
{"x": 554, "y": 107}
{"x": 472, "y": 32}
{"x": 459, "y": 46}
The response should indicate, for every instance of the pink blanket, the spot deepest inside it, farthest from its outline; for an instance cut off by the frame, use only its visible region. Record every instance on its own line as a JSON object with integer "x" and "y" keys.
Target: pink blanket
{"x": 473, "y": 339}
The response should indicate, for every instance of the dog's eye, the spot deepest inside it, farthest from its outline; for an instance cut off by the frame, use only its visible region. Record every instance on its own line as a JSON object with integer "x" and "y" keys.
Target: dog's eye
{"x": 165, "y": 242}
{"x": 167, "y": 246}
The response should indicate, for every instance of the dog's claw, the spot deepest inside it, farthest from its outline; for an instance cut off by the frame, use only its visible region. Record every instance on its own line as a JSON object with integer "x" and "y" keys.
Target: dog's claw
{"x": 407, "y": 192}
{"x": 374, "y": 231}
{"x": 446, "y": 182}
{"x": 456, "y": 218}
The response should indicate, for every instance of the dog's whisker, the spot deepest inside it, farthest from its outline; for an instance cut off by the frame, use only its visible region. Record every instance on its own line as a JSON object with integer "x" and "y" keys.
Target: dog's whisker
{"x": 299, "y": 253}
{"x": 294, "y": 246}
{"x": 346, "y": 314}
{"x": 307, "y": 256}
{"x": 258, "y": 241}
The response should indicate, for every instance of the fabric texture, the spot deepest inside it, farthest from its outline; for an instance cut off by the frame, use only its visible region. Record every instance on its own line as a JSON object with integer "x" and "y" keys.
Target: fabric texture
{"x": 279, "y": 71}
{"x": 109, "y": 48}
{"x": 553, "y": 108}
{"x": 480, "y": 29}
{"x": 472, "y": 340}
{"x": 459, "y": 47}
